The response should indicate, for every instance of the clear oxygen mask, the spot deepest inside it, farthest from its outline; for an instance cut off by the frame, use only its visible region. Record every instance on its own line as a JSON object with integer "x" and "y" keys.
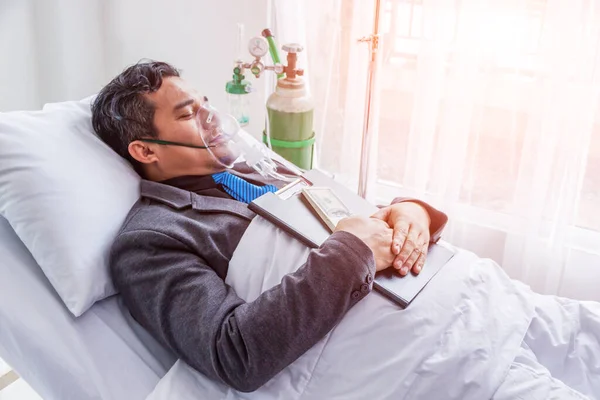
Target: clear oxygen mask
{"x": 219, "y": 132}
{"x": 225, "y": 140}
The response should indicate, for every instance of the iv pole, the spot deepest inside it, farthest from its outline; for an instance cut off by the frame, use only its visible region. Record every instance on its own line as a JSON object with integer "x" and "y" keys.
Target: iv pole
{"x": 368, "y": 131}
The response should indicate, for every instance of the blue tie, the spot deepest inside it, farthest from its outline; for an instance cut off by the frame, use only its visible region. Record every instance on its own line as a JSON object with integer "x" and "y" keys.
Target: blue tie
{"x": 240, "y": 189}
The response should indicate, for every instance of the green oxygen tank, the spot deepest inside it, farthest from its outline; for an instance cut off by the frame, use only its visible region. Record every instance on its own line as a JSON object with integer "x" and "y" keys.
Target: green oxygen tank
{"x": 290, "y": 115}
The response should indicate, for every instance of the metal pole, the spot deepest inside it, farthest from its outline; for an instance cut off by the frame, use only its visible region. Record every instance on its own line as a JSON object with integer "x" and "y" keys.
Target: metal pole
{"x": 367, "y": 137}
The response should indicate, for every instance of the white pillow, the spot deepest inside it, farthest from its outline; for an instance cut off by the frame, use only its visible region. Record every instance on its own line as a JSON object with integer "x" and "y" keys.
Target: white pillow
{"x": 66, "y": 194}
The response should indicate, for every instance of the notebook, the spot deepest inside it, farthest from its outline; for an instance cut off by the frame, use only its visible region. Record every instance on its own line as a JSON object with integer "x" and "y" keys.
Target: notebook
{"x": 287, "y": 209}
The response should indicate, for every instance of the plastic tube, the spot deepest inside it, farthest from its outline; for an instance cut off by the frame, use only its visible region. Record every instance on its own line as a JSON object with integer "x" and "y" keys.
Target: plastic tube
{"x": 273, "y": 49}
{"x": 239, "y": 49}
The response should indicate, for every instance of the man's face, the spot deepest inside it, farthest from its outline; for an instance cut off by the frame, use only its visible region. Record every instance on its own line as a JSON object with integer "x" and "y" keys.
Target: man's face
{"x": 177, "y": 119}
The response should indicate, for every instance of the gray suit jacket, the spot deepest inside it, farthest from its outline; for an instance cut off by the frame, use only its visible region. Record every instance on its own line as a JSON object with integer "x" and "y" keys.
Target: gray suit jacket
{"x": 170, "y": 261}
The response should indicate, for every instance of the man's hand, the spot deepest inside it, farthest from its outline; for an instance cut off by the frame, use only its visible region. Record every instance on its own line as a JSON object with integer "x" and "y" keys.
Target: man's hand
{"x": 410, "y": 223}
{"x": 375, "y": 233}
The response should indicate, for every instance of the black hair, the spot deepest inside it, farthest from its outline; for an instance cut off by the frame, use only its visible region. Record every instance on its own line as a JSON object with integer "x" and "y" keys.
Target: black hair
{"x": 121, "y": 113}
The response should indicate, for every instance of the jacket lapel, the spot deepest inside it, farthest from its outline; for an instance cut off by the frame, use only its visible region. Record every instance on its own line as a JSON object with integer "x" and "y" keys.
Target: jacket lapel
{"x": 208, "y": 204}
{"x": 179, "y": 199}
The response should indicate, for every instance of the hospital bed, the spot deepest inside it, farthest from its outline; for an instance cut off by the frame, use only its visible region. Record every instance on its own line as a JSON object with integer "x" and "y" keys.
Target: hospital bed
{"x": 104, "y": 354}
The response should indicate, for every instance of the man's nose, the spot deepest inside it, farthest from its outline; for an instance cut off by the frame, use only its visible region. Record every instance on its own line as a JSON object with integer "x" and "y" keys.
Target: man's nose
{"x": 209, "y": 118}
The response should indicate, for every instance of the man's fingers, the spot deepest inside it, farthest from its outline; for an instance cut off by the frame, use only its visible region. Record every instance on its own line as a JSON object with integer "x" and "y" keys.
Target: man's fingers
{"x": 418, "y": 266}
{"x": 414, "y": 262}
{"x": 410, "y": 261}
{"x": 408, "y": 247}
{"x": 401, "y": 232}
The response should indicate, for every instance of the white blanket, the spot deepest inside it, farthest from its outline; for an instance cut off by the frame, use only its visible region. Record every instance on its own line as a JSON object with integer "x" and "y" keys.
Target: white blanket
{"x": 457, "y": 339}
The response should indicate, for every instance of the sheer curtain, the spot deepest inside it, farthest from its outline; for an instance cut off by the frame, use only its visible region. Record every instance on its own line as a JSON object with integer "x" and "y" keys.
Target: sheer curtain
{"x": 488, "y": 110}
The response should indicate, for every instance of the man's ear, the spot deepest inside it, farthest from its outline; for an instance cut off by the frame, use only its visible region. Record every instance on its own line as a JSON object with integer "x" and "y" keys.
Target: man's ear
{"x": 142, "y": 152}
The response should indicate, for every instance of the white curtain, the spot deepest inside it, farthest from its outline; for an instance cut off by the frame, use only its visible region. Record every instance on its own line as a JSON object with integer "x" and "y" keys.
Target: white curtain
{"x": 488, "y": 110}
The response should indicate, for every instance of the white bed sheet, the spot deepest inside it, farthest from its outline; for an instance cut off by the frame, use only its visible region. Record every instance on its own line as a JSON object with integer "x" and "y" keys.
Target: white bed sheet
{"x": 457, "y": 340}
{"x": 472, "y": 334}
{"x": 103, "y": 354}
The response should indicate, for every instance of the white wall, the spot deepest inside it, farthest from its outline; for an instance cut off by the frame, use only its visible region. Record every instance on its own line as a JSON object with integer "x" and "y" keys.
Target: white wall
{"x": 17, "y": 64}
{"x": 55, "y": 50}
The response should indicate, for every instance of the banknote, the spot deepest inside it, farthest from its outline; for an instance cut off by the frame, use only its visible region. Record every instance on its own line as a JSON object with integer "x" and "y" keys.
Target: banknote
{"x": 326, "y": 204}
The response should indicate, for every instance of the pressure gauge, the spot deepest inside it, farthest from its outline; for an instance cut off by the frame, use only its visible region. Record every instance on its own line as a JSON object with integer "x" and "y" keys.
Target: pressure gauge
{"x": 258, "y": 46}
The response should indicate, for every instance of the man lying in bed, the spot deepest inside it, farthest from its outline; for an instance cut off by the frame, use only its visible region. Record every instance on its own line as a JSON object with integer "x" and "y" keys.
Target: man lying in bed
{"x": 171, "y": 257}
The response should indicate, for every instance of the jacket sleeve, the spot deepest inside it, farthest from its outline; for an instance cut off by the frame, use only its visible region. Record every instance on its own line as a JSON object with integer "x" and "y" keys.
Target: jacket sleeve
{"x": 438, "y": 218}
{"x": 175, "y": 295}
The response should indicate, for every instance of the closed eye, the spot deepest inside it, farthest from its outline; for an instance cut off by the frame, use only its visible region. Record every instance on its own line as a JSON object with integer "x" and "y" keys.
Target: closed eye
{"x": 189, "y": 114}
